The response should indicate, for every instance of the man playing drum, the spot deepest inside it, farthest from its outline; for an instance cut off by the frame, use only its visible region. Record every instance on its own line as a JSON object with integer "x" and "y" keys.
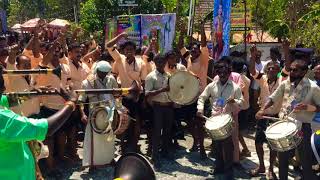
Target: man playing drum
{"x": 98, "y": 148}
{"x": 128, "y": 69}
{"x": 300, "y": 98}
{"x": 268, "y": 83}
{"x": 197, "y": 64}
{"x": 224, "y": 95}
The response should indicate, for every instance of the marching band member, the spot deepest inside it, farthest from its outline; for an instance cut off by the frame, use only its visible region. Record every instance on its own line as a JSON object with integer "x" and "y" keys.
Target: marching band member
{"x": 156, "y": 87}
{"x": 128, "y": 69}
{"x": 222, "y": 92}
{"x": 302, "y": 96}
{"x": 98, "y": 148}
{"x": 239, "y": 66}
{"x": 198, "y": 61}
{"x": 268, "y": 83}
{"x": 79, "y": 71}
{"x": 50, "y": 104}
{"x": 16, "y": 159}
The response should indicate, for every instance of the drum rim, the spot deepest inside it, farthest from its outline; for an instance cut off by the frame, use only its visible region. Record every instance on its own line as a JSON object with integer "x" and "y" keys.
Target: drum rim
{"x": 139, "y": 156}
{"x": 209, "y": 120}
{"x": 274, "y": 124}
{"x": 92, "y": 120}
{"x": 198, "y": 91}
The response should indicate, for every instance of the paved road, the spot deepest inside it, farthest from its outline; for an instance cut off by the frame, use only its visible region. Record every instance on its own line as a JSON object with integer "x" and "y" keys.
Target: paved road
{"x": 185, "y": 166}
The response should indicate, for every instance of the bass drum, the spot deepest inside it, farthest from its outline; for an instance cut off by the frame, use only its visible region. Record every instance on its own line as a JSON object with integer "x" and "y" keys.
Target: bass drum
{"x": 184, "y": 88}
{"x": 120, "y": 123}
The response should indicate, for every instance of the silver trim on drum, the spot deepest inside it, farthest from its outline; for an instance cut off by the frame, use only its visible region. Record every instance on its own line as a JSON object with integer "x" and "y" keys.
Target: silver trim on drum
{"x": 222, "y": 132}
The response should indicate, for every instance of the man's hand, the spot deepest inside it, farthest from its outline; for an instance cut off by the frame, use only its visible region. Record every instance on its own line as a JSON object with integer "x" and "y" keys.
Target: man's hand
{"x": 285, "y": 44}
{"x": 254, "y": 51}
{"x": 84, "y": 119}
{"x": 260, "y": 114}
{"x": 200, "y": 114}
{"x": 301, "y": 107}
{"x": 68, "y": 95}
{"x": 13, "y": 50}
{"x": 166, "y": 89}
{"x": 230, "y": 101}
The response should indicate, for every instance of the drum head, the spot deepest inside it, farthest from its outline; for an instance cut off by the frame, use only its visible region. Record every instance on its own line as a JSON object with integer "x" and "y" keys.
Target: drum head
{"x": 184, "y": 88}
{"x": 101, "y": 119}
{"x": 281, "y": 129}
{"x": 216, "y": 122}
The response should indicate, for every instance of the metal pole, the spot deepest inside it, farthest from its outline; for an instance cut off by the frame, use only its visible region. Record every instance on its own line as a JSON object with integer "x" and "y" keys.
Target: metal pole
{"x": 245, "y": 27}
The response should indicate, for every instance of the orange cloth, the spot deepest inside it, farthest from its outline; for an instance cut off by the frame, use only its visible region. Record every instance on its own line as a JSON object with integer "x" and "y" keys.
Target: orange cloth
{"x": 126, "y": 72}
{"x": 200, "y": 66}
{"x": 34, "y": 61}
{"x": 53, "y": 102}
{"x": 28, "y": 107}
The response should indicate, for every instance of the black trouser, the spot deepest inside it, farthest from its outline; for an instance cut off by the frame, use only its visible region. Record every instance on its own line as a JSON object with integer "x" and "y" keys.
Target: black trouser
{"x": 132, "y": 134}
{"x": 305, "y": 153}
{"x": 162, "y": 121}
{"x": 224, "y": 154}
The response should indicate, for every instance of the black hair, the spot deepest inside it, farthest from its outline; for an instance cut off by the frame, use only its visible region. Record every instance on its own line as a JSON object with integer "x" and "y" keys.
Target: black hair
{"x": 73, "y": 46}
{"x": 170, "y": 53}
{"x": 276, "y": 51}
{"x": 106, "y": 57}
{"x": 238, "y": 64}
{"x": 226, "y": 60}
{"x": 18, "y": 58}
{"x": 159, "y": 58}
{"x": 129, "y": 43}
{"x": 138, "y": 50}
{"x": 150, "y": 56}
{"x": 45, "y": 45}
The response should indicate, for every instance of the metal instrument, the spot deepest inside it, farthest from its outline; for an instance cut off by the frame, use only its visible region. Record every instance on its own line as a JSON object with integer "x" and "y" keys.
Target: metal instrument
{"x": 133, "y": 166}
{"x": 284, "y": 135}
{"x": 100, "y": 119}
{"x": 219, "y": 127}
{"x": 184, "y": 88}
{"x": 132, "y": 92}
{"x": 56, "y": 71}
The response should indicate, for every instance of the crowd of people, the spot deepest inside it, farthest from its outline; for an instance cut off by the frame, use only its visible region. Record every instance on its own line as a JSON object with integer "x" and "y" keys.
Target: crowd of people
{"x": 247, "y": 90}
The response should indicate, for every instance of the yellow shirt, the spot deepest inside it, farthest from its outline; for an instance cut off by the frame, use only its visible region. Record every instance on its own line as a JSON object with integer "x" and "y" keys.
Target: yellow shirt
{"x": 126, "y": 72}
{"x": 17, "y": 84}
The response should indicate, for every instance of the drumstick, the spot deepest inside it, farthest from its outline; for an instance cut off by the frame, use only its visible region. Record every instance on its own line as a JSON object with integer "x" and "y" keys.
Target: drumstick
{"x": 271, "y": 118}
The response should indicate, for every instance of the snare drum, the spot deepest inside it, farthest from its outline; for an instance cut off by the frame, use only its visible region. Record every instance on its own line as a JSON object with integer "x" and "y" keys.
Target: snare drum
{"x": 220, "y": 126}
{"x": 283, "y": 136}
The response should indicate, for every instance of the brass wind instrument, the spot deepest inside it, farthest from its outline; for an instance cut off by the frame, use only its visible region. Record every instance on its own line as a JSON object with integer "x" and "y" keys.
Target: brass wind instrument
{"x": 56, "y": 71}
{"x": 132, "y": 92}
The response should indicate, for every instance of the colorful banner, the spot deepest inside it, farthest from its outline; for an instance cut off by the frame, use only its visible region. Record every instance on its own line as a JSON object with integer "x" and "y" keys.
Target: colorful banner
{"x": 161, "y": 27}
{"x": 131, "y": 25}
{"x": 110, "y": 29}
{"x": 221, "y": 27}
{"x": 238, "y": 18}
{"x": 3, "y": 21}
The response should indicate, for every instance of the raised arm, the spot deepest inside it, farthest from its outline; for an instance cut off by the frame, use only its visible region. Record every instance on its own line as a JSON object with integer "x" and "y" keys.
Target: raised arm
{"x": 36, "y": 44}
{"x": 114, "y": 41}
{"x": 13, "y": 51}
{"x": 203, "y": 35}
{"x": 252, "y": 64}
